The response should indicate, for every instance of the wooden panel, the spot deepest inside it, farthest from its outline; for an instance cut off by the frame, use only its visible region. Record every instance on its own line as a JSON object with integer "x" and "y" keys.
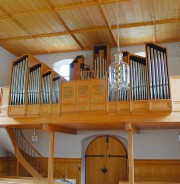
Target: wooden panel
{"x": 161, "y": 13}
{"x": 55, "y": 109}
{"x": 33, "y": 110}
{"x": 119, "y": 106}
{"x": 21, "y": 6}
{"x": 69, "y": 3}
{"x": 68, "y": 97}
{"x": 175, "y": 91}
{"x": 34, "y": 23}
{"x": 69, "y": 167}
{"x": 8, "y": 27}
{"x": 129, "y": 35}
{"x": 45, "y": 110}
{"x": 160, "y": 105}
{"x": 60, "y": 43}
{"x": 167, "y": 31}
{"x": 98, "y": 95}
{"x": 66, "y": 167}
{"x": 139, "y": 106}
{"x": 16, "y": 110}
{"x": 157, "y": 170}
{"x": 129, "y": 11}
{"x": 79, "y": 18}
{"x": 93, "y": 38}
{"x": 3, "y": 166}
{"x": 123, "y": 106}
{"x": 112, "y": 106}
{"x": 83, "y": 94}
{"x": 4, "y": 99}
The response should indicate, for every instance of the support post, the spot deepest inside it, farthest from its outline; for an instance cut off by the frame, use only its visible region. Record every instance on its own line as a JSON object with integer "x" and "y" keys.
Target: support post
{"x": 51, "y": 158}
{"x": 130, "y": 156}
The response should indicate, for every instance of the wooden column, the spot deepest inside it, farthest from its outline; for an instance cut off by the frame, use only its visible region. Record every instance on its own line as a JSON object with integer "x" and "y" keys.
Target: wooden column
{"x": 130, "y": 156}
{"x": 51, "y": 157}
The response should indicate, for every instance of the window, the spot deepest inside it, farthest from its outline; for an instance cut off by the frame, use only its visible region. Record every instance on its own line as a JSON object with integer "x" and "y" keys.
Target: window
{"x": 143, "y": 54}
{"x": 62, "y": 67}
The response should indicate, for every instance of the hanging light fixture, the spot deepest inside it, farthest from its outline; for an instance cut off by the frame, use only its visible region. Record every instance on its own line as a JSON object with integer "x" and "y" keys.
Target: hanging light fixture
{"x": 34, "y": 136}
{"x": 118, "y": 70}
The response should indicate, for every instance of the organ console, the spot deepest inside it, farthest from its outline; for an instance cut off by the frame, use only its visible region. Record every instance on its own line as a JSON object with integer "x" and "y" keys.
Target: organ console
{"x": 37, "y": 90}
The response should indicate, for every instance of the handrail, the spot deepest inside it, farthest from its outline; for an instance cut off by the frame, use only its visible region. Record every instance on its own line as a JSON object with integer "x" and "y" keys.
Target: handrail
{"x": 28, "y": 142}
{"x": 32, "y": 155}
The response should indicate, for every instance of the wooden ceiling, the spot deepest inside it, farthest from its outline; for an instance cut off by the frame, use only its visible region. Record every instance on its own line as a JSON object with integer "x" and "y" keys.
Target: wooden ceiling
{"x": 48, "y": 26}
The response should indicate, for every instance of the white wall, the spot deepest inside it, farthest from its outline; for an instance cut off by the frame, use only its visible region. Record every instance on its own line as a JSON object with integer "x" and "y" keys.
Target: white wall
{"x": 149, "y": 144}
{"x": 50, "y": 59}
{"x": 6, "y": 59}
{"x": 172, "y": 48}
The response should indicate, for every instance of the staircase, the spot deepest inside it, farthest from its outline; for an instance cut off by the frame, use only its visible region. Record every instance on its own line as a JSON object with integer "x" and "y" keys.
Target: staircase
{"x": 28, "y": 156}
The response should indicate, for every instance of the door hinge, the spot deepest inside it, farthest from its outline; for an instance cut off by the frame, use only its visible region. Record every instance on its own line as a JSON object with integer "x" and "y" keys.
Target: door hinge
{"x": 116, "y": 156}
{"x": 101, "y": 156}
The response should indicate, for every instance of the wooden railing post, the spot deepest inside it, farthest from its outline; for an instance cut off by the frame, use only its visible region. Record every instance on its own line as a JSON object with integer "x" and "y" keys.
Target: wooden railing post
{"x": 51, "y": 157}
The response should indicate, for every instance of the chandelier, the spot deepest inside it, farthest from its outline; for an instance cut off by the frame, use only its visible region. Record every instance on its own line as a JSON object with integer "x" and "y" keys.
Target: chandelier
{"x": 118, "y": 70}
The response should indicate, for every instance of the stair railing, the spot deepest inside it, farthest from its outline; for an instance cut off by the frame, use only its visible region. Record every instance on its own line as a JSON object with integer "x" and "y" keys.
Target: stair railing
{"x": 32, "y": 156}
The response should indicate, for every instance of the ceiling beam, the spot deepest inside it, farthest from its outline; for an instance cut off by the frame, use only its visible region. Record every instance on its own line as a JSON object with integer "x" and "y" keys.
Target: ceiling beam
{"x": 29, "y": 35}
{"x": 57, "y": 9}
{"x": 106, "y": 18}
{"x": 15, "y": 21}
{"x": 121, "y": 26}
{"x": 61, "y": 21}
{"x": 90, "y": 48}
{"x": 56, "y": 128}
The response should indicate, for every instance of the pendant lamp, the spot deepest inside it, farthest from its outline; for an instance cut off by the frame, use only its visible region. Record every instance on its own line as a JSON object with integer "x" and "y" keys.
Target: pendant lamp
{"x": 118, "y": 69}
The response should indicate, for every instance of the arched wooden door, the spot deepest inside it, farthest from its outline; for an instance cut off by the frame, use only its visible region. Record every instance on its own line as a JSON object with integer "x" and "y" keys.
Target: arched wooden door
{"x": 106, "y": 161}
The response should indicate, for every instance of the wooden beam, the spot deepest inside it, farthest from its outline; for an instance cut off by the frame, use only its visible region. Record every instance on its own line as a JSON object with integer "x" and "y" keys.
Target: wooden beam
{"x": 106, "y": 18}
{"x": 85, "y": 118}
{"x": 61, "y": 21}
{"x": 133, "y": 127}
{"x": 57, "y": 9}
{"x": 56, "y": 128}
{"x": 101, "y": 28}
{"x": 15, "y": 21}
{"x": 130, "y": 155}
{"x": 90, "y": 48}
{"x": 51, "y": 158}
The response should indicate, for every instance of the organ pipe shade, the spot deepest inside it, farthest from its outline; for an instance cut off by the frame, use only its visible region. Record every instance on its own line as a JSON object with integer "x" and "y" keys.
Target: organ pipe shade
{"x": 119, "y": 73}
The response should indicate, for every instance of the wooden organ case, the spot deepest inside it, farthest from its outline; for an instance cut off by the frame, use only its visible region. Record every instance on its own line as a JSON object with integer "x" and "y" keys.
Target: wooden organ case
{"x": 36, "y": 90}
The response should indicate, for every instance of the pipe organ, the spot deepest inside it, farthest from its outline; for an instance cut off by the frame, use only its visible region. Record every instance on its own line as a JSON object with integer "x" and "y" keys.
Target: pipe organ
{"x": 36, "y": 90}
{"x": 158, "y": 72}
{"x": 55, "y": 90}
{"x": 18, "y": 83}
{"x": 33, "y": 85}
{"x": 138, "y": 78}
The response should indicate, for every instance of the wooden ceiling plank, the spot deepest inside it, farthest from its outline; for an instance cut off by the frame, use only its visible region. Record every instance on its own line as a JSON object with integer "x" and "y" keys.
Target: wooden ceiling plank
{"x": 106, "y": 18}
{"x": 167, "y": 21}
{"x": 90, "y": 48}
{"x": 56, "y": 128}
{"x": 15, "y": 21}
{"x": 63, "y": 23}
{"x": 57, "y": 9}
